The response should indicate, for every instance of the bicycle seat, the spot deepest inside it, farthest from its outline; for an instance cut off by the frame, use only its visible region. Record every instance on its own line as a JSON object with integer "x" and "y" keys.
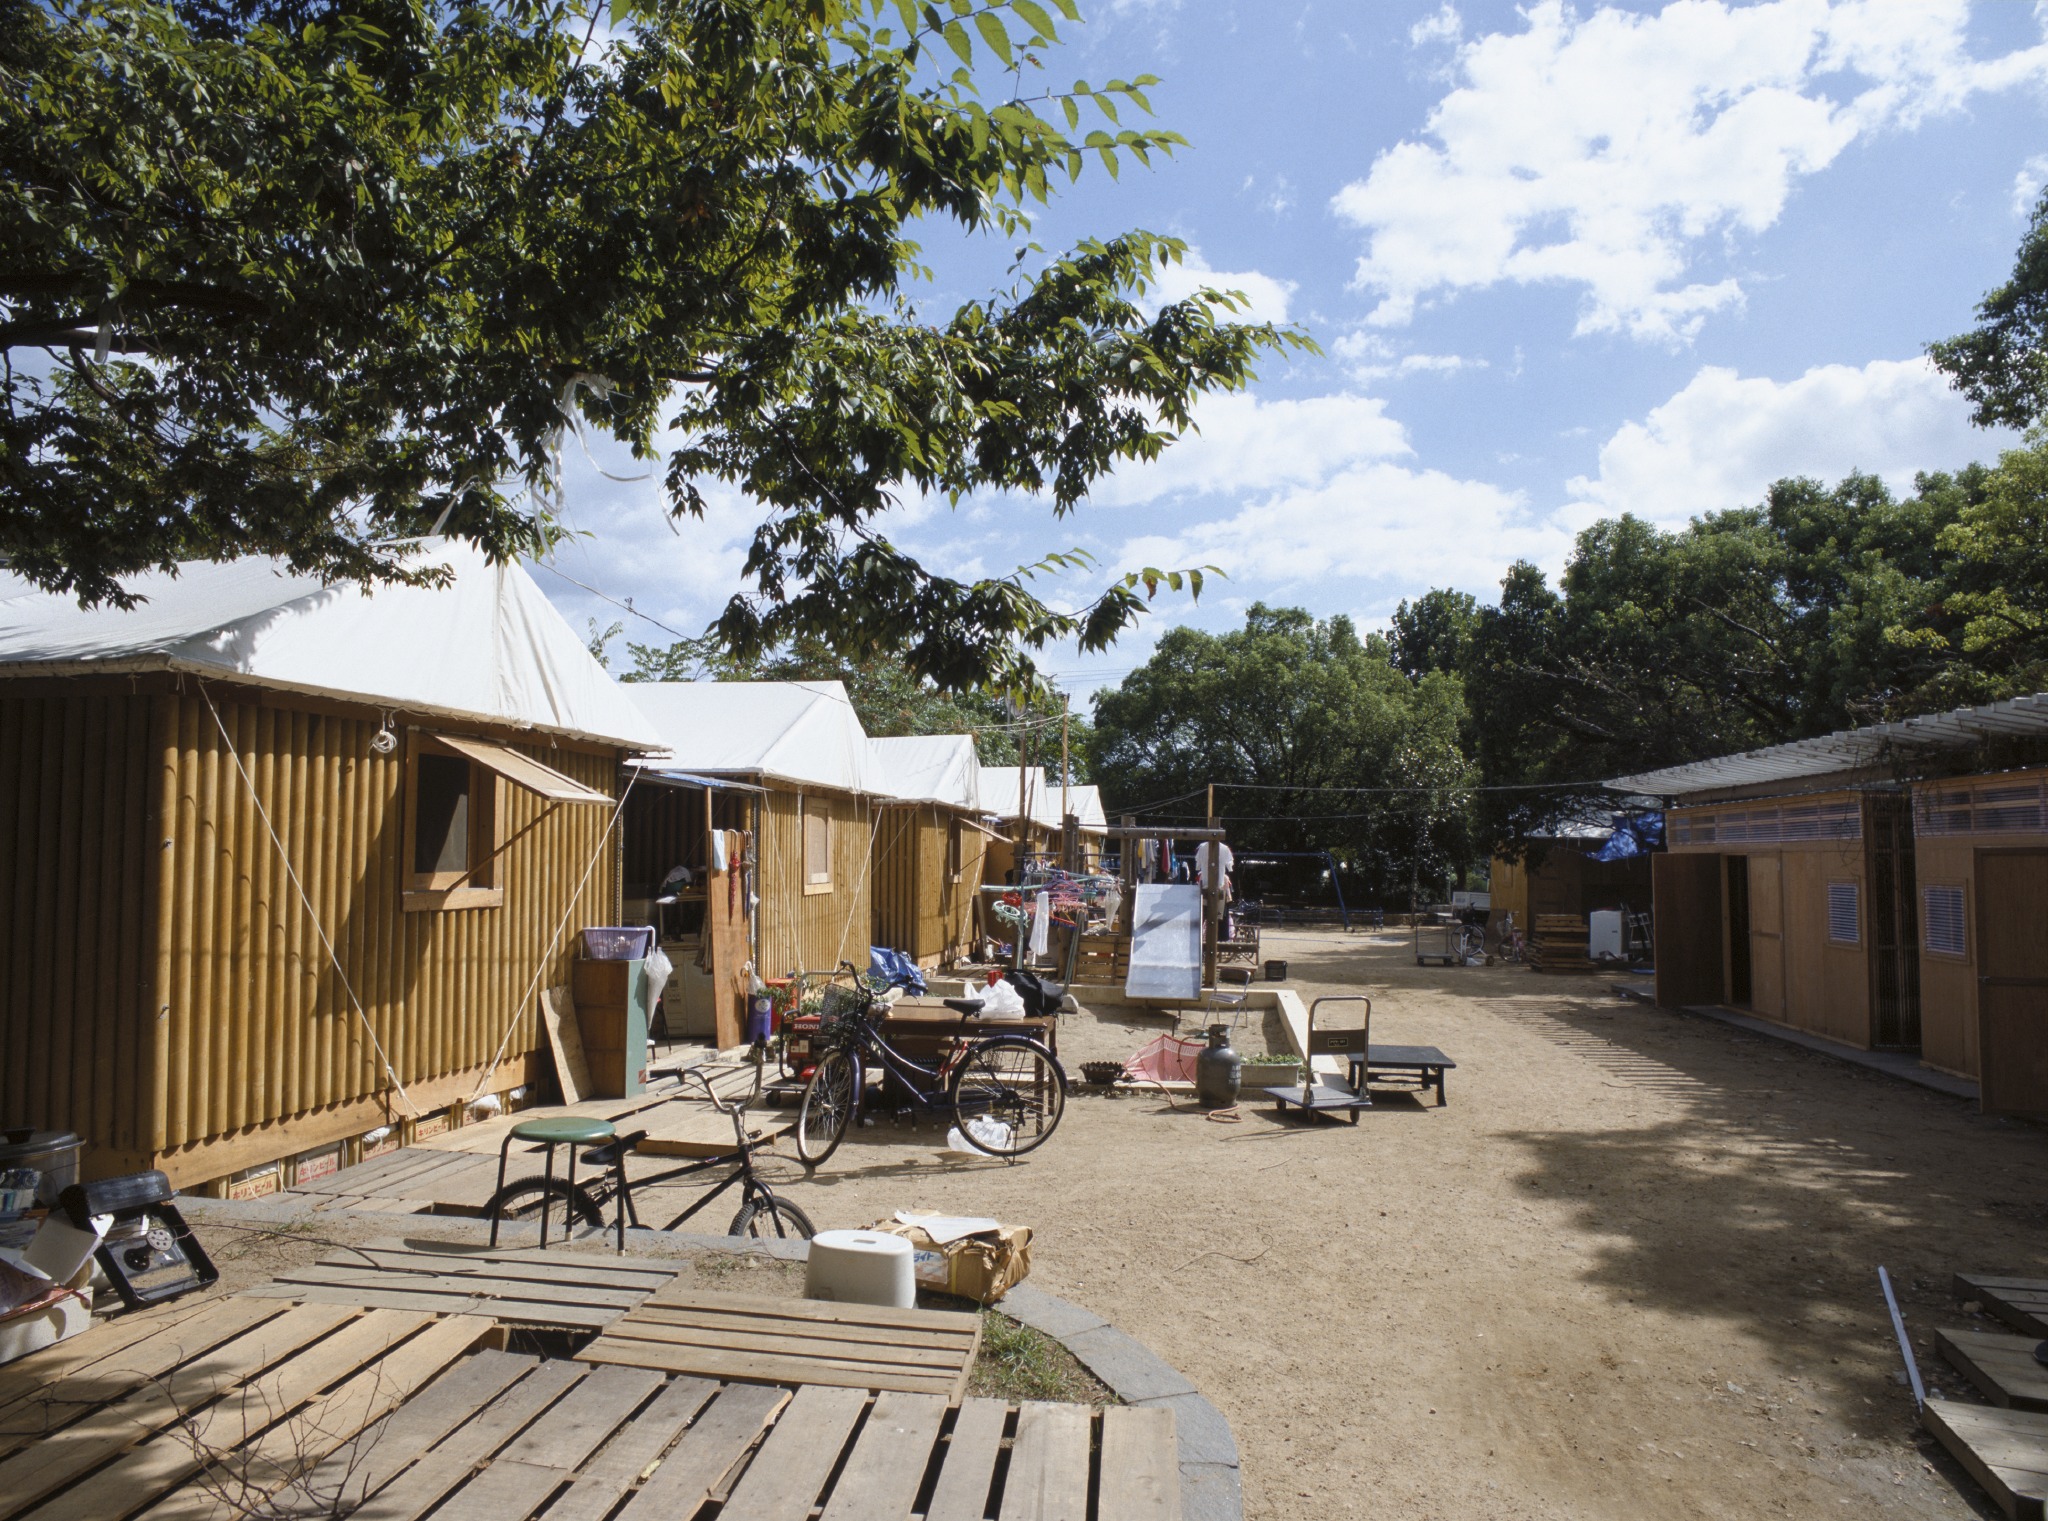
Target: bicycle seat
{"x": 966, "y": 1008}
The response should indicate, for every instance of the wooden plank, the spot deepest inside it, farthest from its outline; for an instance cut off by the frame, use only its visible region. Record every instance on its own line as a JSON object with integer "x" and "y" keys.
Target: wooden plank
{"x": 2002, "y": 1367}
{"x": 688, "y": 1297}
{"x": 1140, "y": 1475}
{"x": 1048, "y": 1477}
{"x": 30, "y": 1376}
{"x": 422, "y": 1485}
{"x": 126, "y": 1368}
{"x": 461, "y": 1285}
{"x": 579, "y": 1424}
{"x": 607, "y": 1477}
{"x": 866, "y": 1349}
{"x": 2006, "y": 1451}
{"x": 2021, "y": 1303}
{"x": 293, "y": 1448}
{"x": 505, "y": 1491}
{"x": 583, "y": 1269}
{"x": 247, "y": 1405}
{"x": 942, "y": 1338}
{"x": 706, "y": 1452}
{"x": 968, "y": 1466}
{"x": 374, "y": 1456}
{"x": 28, "y": 1476}
{"x": 789, "y": 1472}
{"x": 886, "y": 1468}
{"x": 707, "y": 1363}
{"x": 525, "y": 1312}
{"x": 565, "y": 1040}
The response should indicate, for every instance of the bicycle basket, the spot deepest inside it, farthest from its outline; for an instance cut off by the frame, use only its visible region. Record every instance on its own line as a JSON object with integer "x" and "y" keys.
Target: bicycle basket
{"x": 843, "y": 1006}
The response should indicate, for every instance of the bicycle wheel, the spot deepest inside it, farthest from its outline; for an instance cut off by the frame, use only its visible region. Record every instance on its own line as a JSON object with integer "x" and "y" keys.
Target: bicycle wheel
{"x": 827, "y": 1108}
{"x": 1017, "y": 1083}
{"x": 521, "y": 1200}
{"x": 770, "y": 1216}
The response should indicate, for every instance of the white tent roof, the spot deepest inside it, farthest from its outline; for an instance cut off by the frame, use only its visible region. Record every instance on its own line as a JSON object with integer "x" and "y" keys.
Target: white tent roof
{"x": 999, "y": 796}
{"x": 1897, "y": 745}
{"x": 929, "y": 768}
{"x": 488, "y": 645}
{"x": 802, "y": 733}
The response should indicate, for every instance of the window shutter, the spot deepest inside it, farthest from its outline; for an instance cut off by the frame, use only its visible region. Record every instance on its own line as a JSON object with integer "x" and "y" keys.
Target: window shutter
{"x": 1942, "y": 917}
{"x": 1842, "y": 915}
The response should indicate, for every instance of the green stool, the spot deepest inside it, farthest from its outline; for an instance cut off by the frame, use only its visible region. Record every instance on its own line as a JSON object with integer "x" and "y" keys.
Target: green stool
{"x": 565, "y": 1130}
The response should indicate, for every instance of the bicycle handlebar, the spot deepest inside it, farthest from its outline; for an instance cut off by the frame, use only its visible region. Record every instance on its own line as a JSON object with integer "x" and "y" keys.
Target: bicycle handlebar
{"x": 724, "y": 1106}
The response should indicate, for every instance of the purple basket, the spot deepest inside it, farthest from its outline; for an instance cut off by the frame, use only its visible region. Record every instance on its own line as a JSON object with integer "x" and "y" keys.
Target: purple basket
{"x": 618, "y": 942}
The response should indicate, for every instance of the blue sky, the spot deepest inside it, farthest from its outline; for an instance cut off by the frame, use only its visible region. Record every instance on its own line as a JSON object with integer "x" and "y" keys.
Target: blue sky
{"x": 1563, "y": 262}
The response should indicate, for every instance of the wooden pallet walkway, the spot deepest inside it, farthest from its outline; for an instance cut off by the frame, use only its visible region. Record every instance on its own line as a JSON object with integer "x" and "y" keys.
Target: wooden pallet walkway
{"x": 2006, "y": 1451}
{"x": 2003, "y": 1368}
{"x": 795, "y": 1341}
{"x": 575, "y": 1290}
{"x": 184, "y": 1416}
{"x": 2021, "y": 1303}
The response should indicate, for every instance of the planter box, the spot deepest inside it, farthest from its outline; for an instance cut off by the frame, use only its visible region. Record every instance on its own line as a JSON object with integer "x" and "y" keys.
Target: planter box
{"x": 309, "y": 1166}
{"x": 1271, "y": 1074}
{"x": 257, "y": 1182}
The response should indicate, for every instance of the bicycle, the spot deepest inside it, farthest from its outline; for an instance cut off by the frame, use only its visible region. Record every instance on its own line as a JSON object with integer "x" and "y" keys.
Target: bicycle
{"x": 1007, "y": 1092}
{"x": 1511, "y": 947}
{"x": 537, "y": 1194}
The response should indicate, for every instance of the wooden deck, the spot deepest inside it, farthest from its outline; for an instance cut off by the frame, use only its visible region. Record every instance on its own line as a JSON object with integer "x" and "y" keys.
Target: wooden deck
{"x": 2002, "y": 1367}
{"x": 554, "y": 1287}
{"x": 2006, "y": 1451}
{"x": 243, "y": 1406}
{"x": 796, "y": 1341}
{"x": 2021, "y": 1303}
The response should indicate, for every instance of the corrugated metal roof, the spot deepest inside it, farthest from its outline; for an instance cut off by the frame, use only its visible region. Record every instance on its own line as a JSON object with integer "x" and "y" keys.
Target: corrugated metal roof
{"x": 1891, "y": 744}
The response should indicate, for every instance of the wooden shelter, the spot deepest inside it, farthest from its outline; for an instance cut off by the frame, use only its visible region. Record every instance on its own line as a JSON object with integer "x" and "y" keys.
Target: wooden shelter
{"x": 1031, "y": 811}
{"x": 1560, "y": 875}
{"x": 1886, "y": 887}
{"x": 810, "y": 861}
{"x": 930, "y": 845}
{"x": 285, "y": 864}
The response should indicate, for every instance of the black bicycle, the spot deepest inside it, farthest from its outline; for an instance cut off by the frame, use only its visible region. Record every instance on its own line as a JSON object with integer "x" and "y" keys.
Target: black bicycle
{"x": 761, "y": 1212}
{"x": 1006, "y": 1092}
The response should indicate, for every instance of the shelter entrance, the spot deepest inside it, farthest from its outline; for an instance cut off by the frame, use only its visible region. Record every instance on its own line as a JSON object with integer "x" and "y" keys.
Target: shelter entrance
{"x": 1740, "y": 990}
{"x": 2012, "y": 966}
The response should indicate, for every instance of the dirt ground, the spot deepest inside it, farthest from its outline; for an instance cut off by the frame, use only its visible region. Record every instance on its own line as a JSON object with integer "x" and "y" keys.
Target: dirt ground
{"x": 1631, "y": 1269}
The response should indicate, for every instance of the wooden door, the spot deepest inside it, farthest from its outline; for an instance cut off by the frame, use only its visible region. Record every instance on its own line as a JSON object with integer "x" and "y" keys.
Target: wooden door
{"x": 1686, "y": 908}
{"x": 1767, "y": 936}
{"x": 725, "y": 937}
{"x": 2012, "y": 981}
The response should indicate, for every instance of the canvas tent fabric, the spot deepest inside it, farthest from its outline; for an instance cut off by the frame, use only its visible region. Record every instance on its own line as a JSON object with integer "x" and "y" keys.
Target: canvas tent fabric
{"x": 1042, "y": 799}
{"x": 799, "y": 733}
{"x": 487, "y": 645}
{"x": 935, "y": 768}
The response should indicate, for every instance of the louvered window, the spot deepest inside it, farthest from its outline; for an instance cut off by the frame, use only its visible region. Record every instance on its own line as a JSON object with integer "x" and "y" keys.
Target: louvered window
{"x": 1842, "y": 917}
{"x": 1941, "y": 917}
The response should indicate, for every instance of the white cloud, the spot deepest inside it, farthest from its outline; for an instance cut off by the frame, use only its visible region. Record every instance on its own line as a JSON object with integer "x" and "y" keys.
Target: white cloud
{"x": 1369, "y": 357}
{"x": 1442, "y": 25}
{"x": 1379, "y": 523}
{"x": 1247, "y": 443}
{"x": 1724, "y": 438}
{"x": 1267, "y": 297}
{"x": 1605, "y": 151}
{"x": 2026, "y": 185}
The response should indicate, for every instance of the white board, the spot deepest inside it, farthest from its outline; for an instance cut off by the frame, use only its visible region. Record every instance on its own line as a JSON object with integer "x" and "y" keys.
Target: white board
{"x": 1166, "y": 942}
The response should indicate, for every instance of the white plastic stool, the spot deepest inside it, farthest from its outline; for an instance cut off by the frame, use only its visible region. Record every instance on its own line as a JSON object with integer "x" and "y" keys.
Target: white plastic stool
{"x": 861, "y": 1267}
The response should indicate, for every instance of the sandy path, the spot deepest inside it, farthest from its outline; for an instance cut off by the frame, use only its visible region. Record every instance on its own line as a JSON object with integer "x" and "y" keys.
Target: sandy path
{"x": 1630, "y": 1270}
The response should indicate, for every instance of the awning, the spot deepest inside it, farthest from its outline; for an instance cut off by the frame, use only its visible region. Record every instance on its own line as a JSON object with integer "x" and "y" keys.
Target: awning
{"x": 523, "y": 770}
{"x": 654, "y": 771}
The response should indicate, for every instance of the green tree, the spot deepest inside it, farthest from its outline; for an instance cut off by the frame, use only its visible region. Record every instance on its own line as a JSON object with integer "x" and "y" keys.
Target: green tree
{"x": 1277, "y": 715}
{"x": 1434, "y": 632}
{"x": 2002, "y": 363}
{"x": 308, "y": 277}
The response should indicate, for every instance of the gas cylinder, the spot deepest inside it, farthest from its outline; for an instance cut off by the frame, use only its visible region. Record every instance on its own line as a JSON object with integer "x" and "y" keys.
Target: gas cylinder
{"x": 1219, "y": 1070}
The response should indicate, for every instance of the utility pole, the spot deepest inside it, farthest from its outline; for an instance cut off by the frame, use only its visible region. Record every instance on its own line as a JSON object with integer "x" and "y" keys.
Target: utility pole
{"x": 1064, "y": 773}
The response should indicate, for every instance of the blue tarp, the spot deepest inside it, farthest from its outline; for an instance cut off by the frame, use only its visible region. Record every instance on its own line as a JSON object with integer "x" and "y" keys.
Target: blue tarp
{"x": 1635, "y": 834}
{"x": 895, "y": 969}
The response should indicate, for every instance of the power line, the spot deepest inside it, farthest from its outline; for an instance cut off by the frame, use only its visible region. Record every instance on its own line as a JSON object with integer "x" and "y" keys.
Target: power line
{"x": 615, "y": 602}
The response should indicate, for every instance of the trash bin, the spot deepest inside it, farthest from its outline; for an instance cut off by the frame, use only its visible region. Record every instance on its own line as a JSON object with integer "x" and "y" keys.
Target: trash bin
{"x": 1276, "y": 971}
{"x": 52, "y": 1155}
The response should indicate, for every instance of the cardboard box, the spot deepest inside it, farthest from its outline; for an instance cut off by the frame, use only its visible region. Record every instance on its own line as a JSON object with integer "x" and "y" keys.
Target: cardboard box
{"x": 982, "y": 1267}
{"x": 310, "y": 1166}
{"x": 257, "y": 1182}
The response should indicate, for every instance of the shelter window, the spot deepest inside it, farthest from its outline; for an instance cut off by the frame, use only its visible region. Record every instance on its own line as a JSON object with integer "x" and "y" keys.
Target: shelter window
{"x": 1843, "y": 918}
{"x": 1942, "y": 918}
{"x": 450, "y": 829}
{"x": 817, "y": 848}
{"x": 956, "y": 849}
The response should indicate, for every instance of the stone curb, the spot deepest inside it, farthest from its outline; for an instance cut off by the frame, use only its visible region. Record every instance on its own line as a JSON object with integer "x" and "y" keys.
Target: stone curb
{"x": 1210, "y": 1487}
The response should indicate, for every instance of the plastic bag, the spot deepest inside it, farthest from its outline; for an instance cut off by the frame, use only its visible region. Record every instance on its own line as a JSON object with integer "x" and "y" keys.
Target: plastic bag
{"x": 1001, "y": 1001}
